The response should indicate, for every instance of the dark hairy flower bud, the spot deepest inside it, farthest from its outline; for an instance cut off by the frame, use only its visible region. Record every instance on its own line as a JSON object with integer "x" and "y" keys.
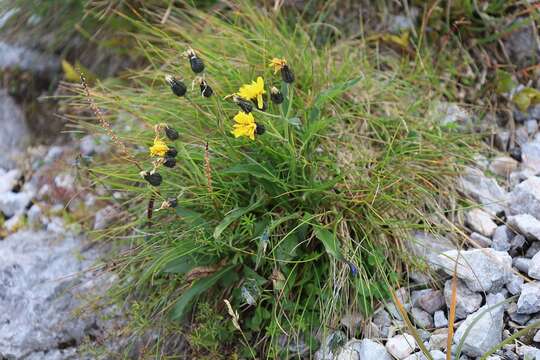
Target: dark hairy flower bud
{"x": 287, "y": 74}
{"x": 245, "y": 105}
{"x": 153, "y": 178}
{"x": 172, "y": 153}
{"x": 276, "y": 96}
{"x": 515, "y": 153}
{"x": 197, "y": 65}
{"x": 172, "y": 202}
{"x": 169, "y": 162}
{"x": 177, "y": 86}
{"x": 259, "y": 129}
{"x": 171, "y": 133}
{"x": 206, "y": 90}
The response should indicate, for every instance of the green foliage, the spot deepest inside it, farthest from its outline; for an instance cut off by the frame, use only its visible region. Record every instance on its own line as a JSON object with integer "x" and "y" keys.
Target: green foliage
{"x": 350, "y": 163}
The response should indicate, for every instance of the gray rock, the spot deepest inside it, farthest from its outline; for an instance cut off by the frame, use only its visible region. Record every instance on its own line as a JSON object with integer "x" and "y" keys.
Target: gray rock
{"x": 520, "y": 319}
{"x": 38, "y": 292}
{"x": 481, "y": 269}
{"x": 522, "y": 264}
{"x": 530, "y": 155}
{"x": 34, "y": 215}
{"x": 429, "y": 300}
{"x": 517, "y": 244}
{"x": 514, "y": 285}
{"x": 481, "y": 222}
{"x": 401, "y": 346}
{"x": 15, "y": 135}
{"x": 369, "y": 350}
{"x": 526, "y": 224}
{"x": 439, "y": 319}
{"x": 534, "y": 267}
{"x": 18, "y": 57}
{"x": 382, "y": 320}
{"x": 467, "y": 301}
{"x": 525, "y": 198}
{"x": 533, "y": 249}
{"x": 501, "y": 238}
{"x": 422, "y": 318}
{"x": 428, "y": 247}
{"x": 438, "y": 339}
{"x": 528, "y": 352}
{"x": 484, "y": 329}
{"x": 8, "y": 179}
{"x": 521, "y": 136}
{"x": 532, "y": 126}
{"x": 12, "y": 203}
{"x": 503, "y": 166}
{"x": 529, "y": 299}
{"x": 480, "y": 240}
{"x": 536, "y": 337}
{"x": 437, "y": 355}
{"x": 484, "y": 190}
{"x": 521, "y": 44}
{"x": 502, "y": 138}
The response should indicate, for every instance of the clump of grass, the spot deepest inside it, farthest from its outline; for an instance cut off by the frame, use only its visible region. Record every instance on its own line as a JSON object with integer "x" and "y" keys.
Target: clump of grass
{"x": 300, "y": 225}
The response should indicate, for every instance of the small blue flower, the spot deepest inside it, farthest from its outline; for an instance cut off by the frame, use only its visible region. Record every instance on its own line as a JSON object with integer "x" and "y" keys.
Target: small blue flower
{"x": 353, "y": 268}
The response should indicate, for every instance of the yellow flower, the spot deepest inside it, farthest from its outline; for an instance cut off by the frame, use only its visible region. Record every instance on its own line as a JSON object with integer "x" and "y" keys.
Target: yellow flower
{"x": 245, "y": 125}
{"x": 159, "y": 148}
{"x": 253, "y": 91}
{"x": 277, "y": 64}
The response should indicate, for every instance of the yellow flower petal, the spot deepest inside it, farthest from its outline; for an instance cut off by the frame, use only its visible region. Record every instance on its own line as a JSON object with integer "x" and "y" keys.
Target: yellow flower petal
{"x": 277, "y": 64}
{"x": 243, "y": 118}
{"x": 253, "y": 90}
{"x": 159, "y": 148}
{"x": 260, "y": 103}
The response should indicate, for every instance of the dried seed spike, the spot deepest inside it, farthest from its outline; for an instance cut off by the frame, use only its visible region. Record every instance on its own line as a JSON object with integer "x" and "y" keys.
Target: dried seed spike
{"x": 105, "y": 124}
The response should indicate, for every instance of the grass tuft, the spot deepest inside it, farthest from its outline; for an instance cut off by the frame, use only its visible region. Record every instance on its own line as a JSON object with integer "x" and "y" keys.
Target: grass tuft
{"x": 301, "y": 225}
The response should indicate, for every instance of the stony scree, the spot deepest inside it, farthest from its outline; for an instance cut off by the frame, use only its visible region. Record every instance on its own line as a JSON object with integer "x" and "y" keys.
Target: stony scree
{"x": 481, "y": 269}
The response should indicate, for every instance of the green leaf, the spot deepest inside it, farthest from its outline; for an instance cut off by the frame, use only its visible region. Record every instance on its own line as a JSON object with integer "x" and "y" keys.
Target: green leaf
{"x": 255, "y": 170}
{"x": 184, "y": 302}
{"x": 505, "y": 83}
{"x": 235, "y": 215}
{"x": 335, "y": 91}
{"x": 330, "y": 242}
{"x": 526, "y": 98}
{"x": 295, "y": 121}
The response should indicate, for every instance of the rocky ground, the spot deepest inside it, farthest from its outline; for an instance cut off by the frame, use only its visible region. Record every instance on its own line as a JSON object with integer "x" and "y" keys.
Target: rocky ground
{"x": 48, "y": 274}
